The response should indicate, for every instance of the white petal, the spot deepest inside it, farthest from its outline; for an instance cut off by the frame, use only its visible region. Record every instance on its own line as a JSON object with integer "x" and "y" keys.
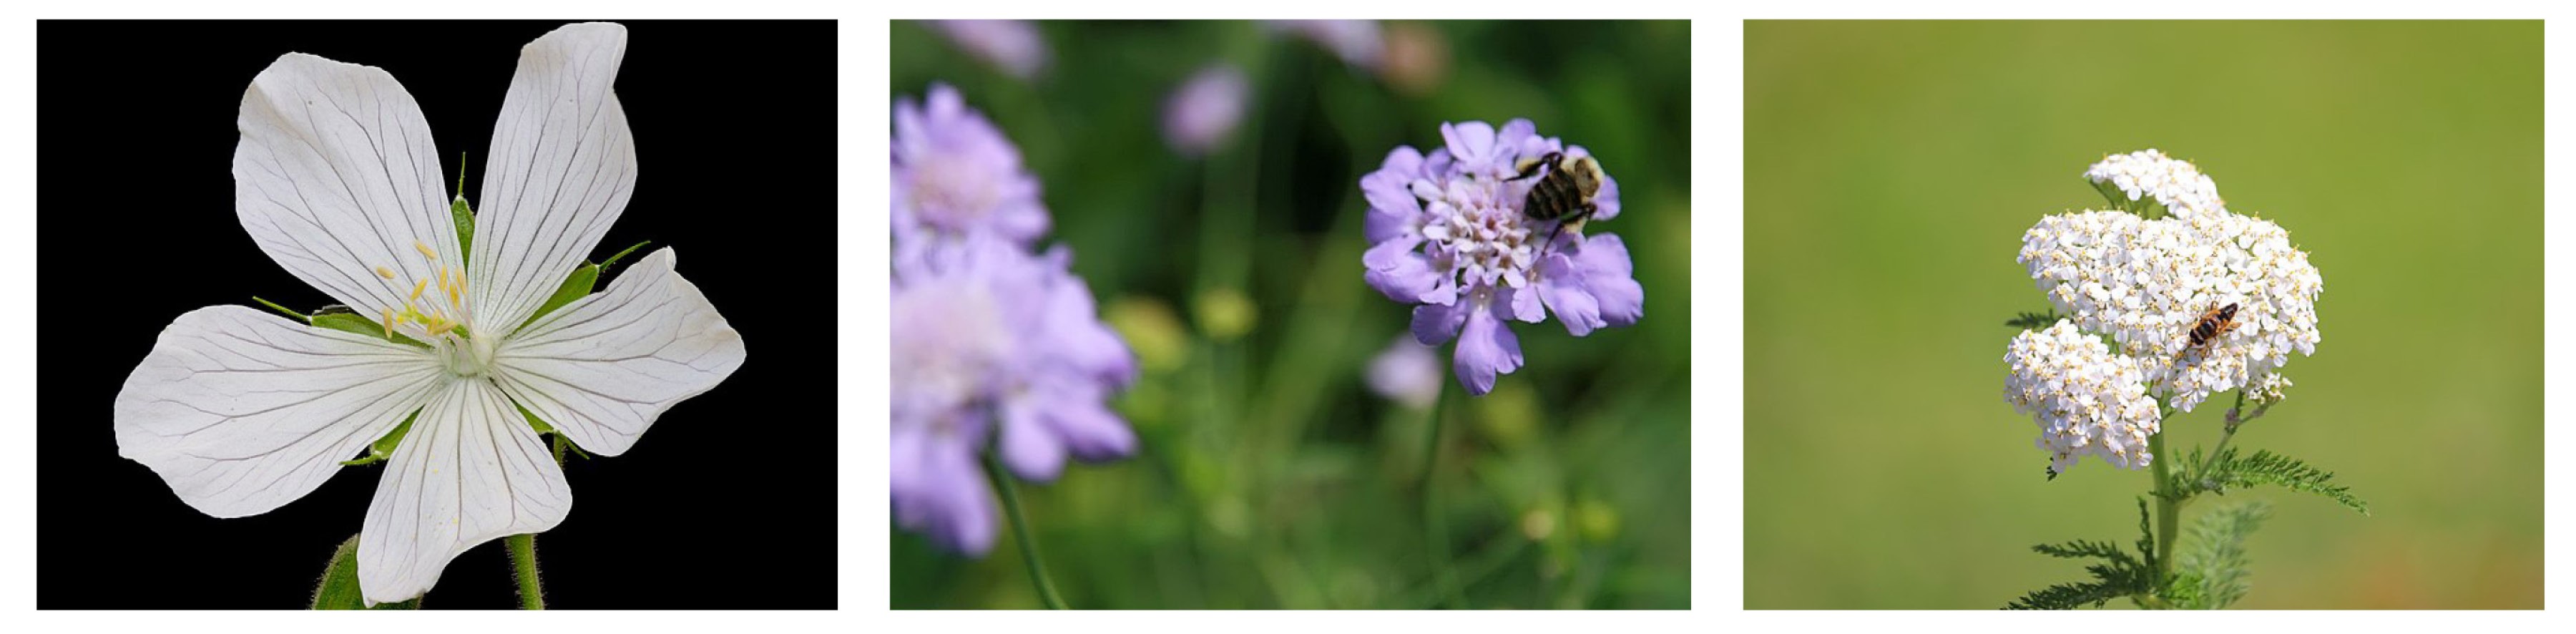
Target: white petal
{"x": 561, "y": 167}
{"x": 603, "y": 367}
{"x": 469, "y": 472}
{"x": 336, "y": 176}
{"x": 241, "y": 412}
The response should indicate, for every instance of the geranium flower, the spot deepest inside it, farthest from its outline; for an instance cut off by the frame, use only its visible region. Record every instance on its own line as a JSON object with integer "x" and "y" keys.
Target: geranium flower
{"x": 1450, "y": 236}
{"x": 337, "y": 180}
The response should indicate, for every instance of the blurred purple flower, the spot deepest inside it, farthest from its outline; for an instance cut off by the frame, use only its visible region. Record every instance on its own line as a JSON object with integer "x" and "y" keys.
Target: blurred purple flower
{"x": 1010, "y": 45}
{"x": 955, "y": 174}
{"x": 1407, "y": 372}
{"x": 1205, "y": 109}
{"x": 988, "y": 338}
{"x": 1358, "y": 42}
{"x": 1449, "y": 236}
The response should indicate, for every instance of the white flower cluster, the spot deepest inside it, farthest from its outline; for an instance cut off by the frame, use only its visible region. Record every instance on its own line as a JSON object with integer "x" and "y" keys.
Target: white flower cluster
{"x": 2147, "y": 284}
{"x": 2085, "y": 399}
{"x": 2174, "y": 183}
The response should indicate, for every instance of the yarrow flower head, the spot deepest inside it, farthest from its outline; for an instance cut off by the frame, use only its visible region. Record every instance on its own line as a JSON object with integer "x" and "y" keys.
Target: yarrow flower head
{"x": 336, "y": 179}
{"x": 2150, "y": 284}
{"x": 994, "y": 346}
{"x": 1450, "y": 236}
{"x": 2147, "y": 176}
{"x": 955, "y": 174}
{"x": 2085, "y": 399}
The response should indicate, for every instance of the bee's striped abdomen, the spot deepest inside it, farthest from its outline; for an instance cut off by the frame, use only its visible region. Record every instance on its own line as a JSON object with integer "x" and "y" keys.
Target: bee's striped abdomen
{"x": 1554, "y": 196}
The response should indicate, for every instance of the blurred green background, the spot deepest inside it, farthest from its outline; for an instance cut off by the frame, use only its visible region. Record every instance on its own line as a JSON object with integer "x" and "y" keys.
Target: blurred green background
{"x": 1270, "y": 475}
{"x": 1890, "y": 170}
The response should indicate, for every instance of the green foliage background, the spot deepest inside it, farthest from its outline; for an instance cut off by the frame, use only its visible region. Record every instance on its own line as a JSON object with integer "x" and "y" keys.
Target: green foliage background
{"x": 1890, "y": 170}
{"x": 1270, "y": 475}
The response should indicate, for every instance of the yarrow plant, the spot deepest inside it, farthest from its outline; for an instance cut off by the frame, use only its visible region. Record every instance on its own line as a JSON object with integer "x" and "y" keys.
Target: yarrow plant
{"x": 2155, "y": 306}
{"x": 454, "y": 354}
{"x": 1450, "y": 236}
{"x": 1000, "y": 356}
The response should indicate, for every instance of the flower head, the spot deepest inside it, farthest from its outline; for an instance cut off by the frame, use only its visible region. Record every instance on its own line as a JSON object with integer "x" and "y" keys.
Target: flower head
{"x": 2149, "y": 176}
{"x": 1357, "y": 42}
{"x": 1205, "y": 109}
{"x": 988, "y": 339}
{"x": 2086, "y": 400}
{"x": 954, "y": 174}
{"x": 1406, "y": 372}
{"x": 1450, "y": 234}
{"x": 1013, "y": 46}
{"x": 336, "y": 179}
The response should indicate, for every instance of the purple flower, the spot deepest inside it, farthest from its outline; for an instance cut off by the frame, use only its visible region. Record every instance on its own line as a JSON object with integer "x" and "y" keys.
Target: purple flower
{"x": 1205, "y": 109}
{"x": 1450, "y": 236}
{"x": 989, "y": 338}
{"x": 1406, "y": 372}
{"x": 1010, "y": 45}
{"x": 955, "y": 174}
{"x": 1358, "y": 42}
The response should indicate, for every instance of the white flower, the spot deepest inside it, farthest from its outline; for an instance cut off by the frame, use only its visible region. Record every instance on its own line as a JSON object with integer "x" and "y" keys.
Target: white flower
{"x": 337, "y": 180}
{"x": 2267, "y": 389}
{"x": 2086, "y": 400}
{"x": 2146, "y": 283}
{"x": 2174, "y": 183}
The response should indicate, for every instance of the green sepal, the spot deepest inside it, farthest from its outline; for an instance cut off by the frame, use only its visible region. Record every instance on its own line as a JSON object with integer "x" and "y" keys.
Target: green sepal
{"x": 464, "y": 228}
{"x": 384, "y": 447}
{"x": 578, "y": 285}
{"x": 290, "y": 313}
{"x": 339, "y": 587}
{"x": 533, "y": 421}
{"x": 352, "y": 322}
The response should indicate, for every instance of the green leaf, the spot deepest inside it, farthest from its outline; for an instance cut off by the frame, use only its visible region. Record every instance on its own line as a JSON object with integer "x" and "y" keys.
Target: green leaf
{"x": 2118, "y": 575}
{"x": 352, "y": 322}
{"x": 612, "y": 260}
{"x": 533, "y": 421}
{"x": 2216, "y": 565}
{"x": 384, "y": 447}
{"x": 464, "y": 224}
{"x": 339, "y": 587}
{"x": 2033, "y": 321}
{"x": 2225, "y": 471}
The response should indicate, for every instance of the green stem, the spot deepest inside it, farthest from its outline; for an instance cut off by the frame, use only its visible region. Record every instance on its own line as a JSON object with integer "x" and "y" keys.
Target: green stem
{"x": 1435, "y": 522}
{"x": 1020, "y": 530}
{"x": 2168, "y": 509}
{"x": 523, "y": 558}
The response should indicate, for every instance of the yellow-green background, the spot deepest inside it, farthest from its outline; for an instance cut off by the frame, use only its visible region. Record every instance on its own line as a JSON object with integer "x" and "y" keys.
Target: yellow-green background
{"x": 1890, "y": 170}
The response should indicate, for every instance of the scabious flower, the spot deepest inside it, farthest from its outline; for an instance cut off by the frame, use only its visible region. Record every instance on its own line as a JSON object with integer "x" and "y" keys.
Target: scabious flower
{"x": 1406, "y": 372}
{"x": 1010, "y": 45}
{"x": 336, "y": 179}
{"x": 1358, "y": 42}
{"x": 988, "y": 339}
{"x": 1205, "y": 109}
{"x": 993, "y": 345}
{"x": 1449, "y": 235}
{"x": 954, "y": 174}
{"x": 2085, "y": 399}
{"x": 2150, "y": 176}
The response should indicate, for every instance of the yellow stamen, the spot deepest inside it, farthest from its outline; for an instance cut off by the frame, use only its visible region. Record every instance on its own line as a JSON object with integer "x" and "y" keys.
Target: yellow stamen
{"x": 417, "y": 288}
{"x": 389, "y": 323}
{"x": 453, "y": 290}
{"x": 439, "y": 328}
{"x": 385, "y": 272}
{"x": 424, "y": 249}
{"x": 442, "y": 279}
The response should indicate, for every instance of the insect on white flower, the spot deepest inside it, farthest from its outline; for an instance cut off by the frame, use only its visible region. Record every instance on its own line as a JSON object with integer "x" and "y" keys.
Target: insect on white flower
{"x": 337, "y": 180}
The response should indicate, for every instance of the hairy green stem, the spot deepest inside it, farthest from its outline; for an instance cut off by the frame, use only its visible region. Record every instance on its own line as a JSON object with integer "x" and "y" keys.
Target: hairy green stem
{"x": 1020, "y": 530}
{"x": 523, "y": 559}
{"x": 1435, "y": 522}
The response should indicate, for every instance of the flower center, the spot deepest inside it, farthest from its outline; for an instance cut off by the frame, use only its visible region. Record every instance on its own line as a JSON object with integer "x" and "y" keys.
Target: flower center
{"x": 952, "y": 190}
{"x": 1478, "y": 224}
{"x": 435, "y": 319}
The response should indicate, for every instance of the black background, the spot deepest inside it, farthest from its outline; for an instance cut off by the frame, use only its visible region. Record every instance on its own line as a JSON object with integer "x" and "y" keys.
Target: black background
{"x": 727, "y": 502}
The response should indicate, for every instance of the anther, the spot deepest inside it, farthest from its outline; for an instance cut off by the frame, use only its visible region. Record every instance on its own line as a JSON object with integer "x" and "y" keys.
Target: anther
{"x": 417, "y": 288}
{"x": 385, "y": 272}
{"x": 424, "y": 249}
{"x": 389, "y": 323}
